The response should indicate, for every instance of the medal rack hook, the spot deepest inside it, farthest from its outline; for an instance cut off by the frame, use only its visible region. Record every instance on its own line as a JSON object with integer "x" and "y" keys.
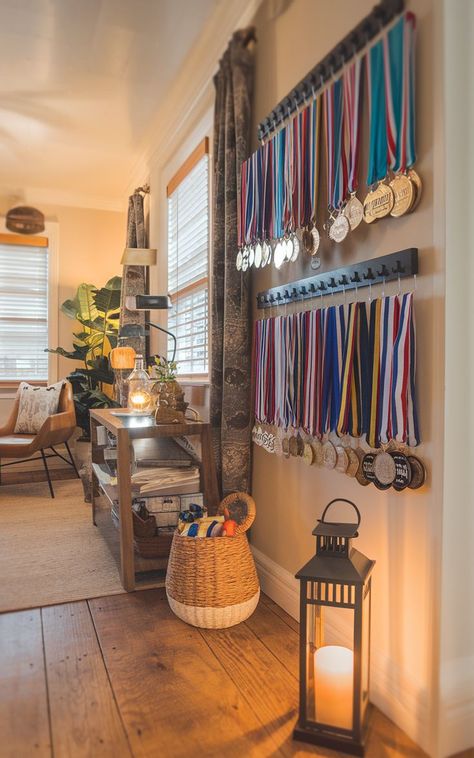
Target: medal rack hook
{"x": 392, "y": 267}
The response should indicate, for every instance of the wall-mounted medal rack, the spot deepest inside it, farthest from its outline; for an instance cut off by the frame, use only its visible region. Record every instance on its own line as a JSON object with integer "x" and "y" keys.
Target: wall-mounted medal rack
{"x": 387, "y": 268}
{"x": 380, "y": 17}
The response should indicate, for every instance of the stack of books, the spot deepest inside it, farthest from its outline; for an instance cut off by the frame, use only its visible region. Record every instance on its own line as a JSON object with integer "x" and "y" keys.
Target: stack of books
{"x": 165, "y": 480}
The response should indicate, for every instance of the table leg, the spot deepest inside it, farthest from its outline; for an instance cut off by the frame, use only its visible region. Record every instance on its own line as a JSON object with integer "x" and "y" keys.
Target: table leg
{"x": 208, "y": 472}
{"x": 127, "y": 562}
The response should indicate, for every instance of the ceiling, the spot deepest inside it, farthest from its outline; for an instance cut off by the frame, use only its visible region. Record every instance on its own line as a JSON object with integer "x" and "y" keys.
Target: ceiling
{"x": 80, "y": 82}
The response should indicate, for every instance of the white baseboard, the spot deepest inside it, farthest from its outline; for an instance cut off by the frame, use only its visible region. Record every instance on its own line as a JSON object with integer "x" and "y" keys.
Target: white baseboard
{"x": 393, "y": 691}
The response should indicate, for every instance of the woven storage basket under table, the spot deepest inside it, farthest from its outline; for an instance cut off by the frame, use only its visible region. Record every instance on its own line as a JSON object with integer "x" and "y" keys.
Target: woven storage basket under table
{"x": 212, "y": 582}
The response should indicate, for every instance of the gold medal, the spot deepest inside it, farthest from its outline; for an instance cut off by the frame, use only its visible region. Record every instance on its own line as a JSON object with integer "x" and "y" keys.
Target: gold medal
{"x": 418, "y": 184}
{"x": 293, "y": 447}
{"x": 329, "y": 455}
{"x": 318, "y": 452}
{"x": 404, "y": 194}
{"x": 296, "y": 249}
{"x": 354, "y": 462}
{"x": 354, "y": 211}
{"x": 418, "y": 472}
{"x": 308, "y": 454}
{"x": 342, "y": 460}
{"x": 378, "y": 203}
{"x": 285, "y": 446}
{"x": 308, "y": 241}
{"x": 384, "y": 468}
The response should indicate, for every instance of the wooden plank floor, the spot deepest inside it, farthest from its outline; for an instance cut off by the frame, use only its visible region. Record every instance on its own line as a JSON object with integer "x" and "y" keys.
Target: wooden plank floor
{"x": 121, "y": 676}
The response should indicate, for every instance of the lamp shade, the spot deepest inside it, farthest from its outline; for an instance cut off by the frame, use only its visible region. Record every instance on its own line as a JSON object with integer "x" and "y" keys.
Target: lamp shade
{"x": 122, "y": 357}
{"x": 139, "y": 256}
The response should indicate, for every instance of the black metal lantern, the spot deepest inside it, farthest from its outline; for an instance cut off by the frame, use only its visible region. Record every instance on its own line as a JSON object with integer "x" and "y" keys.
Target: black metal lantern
{"x": 335, "y": 639}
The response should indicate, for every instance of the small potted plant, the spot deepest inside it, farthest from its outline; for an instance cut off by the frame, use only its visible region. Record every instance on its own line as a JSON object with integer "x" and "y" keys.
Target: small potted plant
{"x": 170, "y": 403}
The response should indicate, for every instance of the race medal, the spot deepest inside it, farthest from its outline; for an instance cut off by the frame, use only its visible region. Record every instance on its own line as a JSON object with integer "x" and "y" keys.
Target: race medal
{"x": 381, "y": 486}
{"x": 285, "y": 446}
{"x": 258, "y": 255}
{"x": 329, "y": 455}
{"x": 251, "y": 256}
{"x": 340, "y": 228}
{"x": 245, "y": 259}
{"x": 296, "y": 249}
{"x": 279, "y": 254}
{"x": 354, "y": 212}
{"x": 293, "y": 447}
{"x": 238, "y": 262}
{"x": 277, "y": 446}
{"x": 342, "y": 460}
{"x": 418, "y": 184}
{"x": 418, "y": 472}
{"x": 353, "y": 466}
{"x": 300, "y": 445}
{"x": 360, "y": 472}
{"x": 403, "y": 471}
{"x": 266, "y": 253}
{"x": 369, "y": 217}
{"x": 308, "y": 242}
{"x": 288, "y": 248}
{"x": 318, "y": 452}
{"x": 384, "y": 468}
{"x": 404, "y": 195}
{"x": 308, "y": 454}
{"x": 381, "y": 202}
{"x": 368, "y": 466}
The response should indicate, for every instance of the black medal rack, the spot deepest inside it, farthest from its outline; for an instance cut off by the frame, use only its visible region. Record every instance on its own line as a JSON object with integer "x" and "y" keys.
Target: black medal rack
{"x": 380, "y": 17}
{"x": 387, "y": 268}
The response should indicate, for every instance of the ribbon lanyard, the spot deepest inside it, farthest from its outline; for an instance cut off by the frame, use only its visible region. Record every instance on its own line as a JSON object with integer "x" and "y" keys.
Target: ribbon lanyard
{"x": 335, "y": 159}
{"x": 404, "y": 415}
{"x": 352, "y": 79}
{"x": 360, "y": 392}
{"x": 278, "y": 177}
{"x": 314, "y": 155}
{"x": 347, "y": 370}
{"x": 377, "y": 167}
{"x": 410, "y": 35}
{"x": 389, "y": 317}
{"x": 374, "y": 362}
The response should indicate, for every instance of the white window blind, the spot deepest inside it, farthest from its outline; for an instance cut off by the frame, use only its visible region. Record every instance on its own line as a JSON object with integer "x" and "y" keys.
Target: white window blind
{"x": 23, "y": 312}
{"x": 188, "y": 262}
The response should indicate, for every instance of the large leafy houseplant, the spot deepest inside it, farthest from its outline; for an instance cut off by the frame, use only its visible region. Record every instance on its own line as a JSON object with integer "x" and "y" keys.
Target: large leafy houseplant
{"x": 98, "y": 312}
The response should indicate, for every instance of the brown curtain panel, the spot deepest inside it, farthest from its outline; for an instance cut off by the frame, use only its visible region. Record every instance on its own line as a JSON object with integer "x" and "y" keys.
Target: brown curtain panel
{"x": 230, "y": 317}
{"x": 133, "y": 281}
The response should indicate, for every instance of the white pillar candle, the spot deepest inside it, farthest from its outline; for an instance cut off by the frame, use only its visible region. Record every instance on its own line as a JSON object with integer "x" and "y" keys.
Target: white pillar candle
{"x": 333, "y": 684}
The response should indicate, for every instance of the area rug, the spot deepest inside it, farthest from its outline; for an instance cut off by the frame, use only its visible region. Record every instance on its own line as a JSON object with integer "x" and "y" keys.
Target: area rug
{"x": 50, "y": 552}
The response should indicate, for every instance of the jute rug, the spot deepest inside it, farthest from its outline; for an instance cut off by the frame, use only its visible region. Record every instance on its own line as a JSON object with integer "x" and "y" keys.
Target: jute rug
{"x": 50, "y": 552}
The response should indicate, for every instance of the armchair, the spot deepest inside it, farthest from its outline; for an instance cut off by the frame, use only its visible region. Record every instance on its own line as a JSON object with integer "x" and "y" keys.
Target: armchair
{"x": 56, "y": 430}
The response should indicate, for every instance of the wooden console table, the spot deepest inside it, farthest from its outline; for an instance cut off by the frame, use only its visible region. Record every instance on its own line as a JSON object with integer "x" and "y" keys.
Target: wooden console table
{"x": 124, "y": 430}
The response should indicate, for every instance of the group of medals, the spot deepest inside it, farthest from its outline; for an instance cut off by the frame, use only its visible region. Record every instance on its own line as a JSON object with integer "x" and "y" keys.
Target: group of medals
{"x": 336, "y": 387}
{"x": 280, "y": 181}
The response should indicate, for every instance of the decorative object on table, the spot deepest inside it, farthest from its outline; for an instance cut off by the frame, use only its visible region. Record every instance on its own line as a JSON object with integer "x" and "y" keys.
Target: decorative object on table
{"x": 279, "y": 182}
{"x": 335, "y": 592}
{"x": 230, "y": 401}
{"x": 140, "y": 398}
{"x": 341, "y": 377}
{"x": 135, "y": 266}
{"x": 97, "y": 311}
{"x": 170, "y": 404}
{"x": 212, "y": 582}
{"x": 25, "y": 220}
{"x": 122, "y": 360}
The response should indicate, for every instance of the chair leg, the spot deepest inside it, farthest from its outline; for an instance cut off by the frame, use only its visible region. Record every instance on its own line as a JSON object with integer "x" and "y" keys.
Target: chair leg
{"x": 47, "y": 473}
{"x": 72, "y": 460}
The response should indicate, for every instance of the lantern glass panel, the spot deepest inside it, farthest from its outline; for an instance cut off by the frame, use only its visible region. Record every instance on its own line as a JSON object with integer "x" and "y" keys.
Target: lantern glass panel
{"x": 330, "y": 654}
{"x": 365, "y": 649}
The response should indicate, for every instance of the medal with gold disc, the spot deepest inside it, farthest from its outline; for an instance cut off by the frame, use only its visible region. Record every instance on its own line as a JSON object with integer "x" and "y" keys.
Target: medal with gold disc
{"x": 380, "y": 200}
{"x": 336, "y": 164}
{"x": 310, "y": 132}
{"x": 353, "y": 210}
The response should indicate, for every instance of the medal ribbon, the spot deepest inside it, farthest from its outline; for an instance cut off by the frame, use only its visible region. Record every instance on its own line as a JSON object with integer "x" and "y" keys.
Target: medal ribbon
{"x": 374, "y": 362}
{"x": 378, "y": 153}
{"x": 404, "y": 415}
{"x": 352, "y": 79}
{"x": 347, "y": 370}
{"x": 389, "y": 316}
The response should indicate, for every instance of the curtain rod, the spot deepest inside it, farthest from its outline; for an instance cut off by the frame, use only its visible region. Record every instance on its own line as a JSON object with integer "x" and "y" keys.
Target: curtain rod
{"x": 380, "y": 17}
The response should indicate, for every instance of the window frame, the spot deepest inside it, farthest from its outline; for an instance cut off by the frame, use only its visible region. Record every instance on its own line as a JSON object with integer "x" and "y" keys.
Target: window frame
{"x": 201, "y": 149}
{"x": 50, "y": 232}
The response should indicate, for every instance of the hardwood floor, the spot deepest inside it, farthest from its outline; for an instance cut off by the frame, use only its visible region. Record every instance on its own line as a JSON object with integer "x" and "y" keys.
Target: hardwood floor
{"x": 122, "y": 676}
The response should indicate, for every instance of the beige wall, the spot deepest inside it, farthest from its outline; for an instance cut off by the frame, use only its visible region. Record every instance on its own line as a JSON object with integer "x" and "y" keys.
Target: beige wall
{"x": 90, "y": 247}
{"x": 400, "y": 531}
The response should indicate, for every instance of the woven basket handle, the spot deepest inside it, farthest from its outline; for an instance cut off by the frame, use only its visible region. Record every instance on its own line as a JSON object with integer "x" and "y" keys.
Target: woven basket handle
{"x": 251, "y": 509}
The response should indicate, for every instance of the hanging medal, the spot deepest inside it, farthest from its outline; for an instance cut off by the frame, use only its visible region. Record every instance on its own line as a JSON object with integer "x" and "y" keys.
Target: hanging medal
{"x": 310, "y": 237}
{"x": 279, "y": 251}
{"x": 396, "y": 71}
{"x": 338, "y": 225}
{"x": 352, "y": 78}
{"x": 410, "y": 32}
{"x": 379, "y": 200}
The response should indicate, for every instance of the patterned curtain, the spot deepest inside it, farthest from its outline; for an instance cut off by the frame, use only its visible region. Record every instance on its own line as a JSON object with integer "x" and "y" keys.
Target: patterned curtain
{"x": 133, "y": 281}
{"x": 230, "y": 318}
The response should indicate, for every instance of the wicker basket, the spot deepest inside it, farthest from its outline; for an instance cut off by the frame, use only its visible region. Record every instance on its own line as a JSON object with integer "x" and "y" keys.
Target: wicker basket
{"x": 211, "y": 582}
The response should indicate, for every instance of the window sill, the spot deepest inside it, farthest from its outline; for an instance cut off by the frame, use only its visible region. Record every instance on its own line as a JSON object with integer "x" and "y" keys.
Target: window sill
{"x": 13, "y": 385}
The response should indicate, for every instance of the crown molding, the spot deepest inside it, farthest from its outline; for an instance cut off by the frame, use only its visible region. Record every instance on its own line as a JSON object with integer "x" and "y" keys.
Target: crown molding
{"x": 191, "y": 92}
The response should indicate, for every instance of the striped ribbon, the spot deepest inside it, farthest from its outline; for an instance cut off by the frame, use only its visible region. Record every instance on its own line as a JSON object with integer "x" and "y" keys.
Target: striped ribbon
{"x": 352, "y": 80}
{"x": 378, "y": 153}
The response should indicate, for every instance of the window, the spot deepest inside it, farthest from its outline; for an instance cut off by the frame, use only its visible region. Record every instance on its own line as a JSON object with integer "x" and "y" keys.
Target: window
{"x": 23, "y": 308}
{"x": 188, "y": 262}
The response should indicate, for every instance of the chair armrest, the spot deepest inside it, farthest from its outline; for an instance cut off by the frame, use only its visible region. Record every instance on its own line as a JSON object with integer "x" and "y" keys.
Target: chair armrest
{"x": 8, "y": 428}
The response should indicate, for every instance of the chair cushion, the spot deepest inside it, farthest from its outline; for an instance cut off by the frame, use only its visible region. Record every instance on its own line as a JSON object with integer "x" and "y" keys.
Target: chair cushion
{"x": 36, "y": 404}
